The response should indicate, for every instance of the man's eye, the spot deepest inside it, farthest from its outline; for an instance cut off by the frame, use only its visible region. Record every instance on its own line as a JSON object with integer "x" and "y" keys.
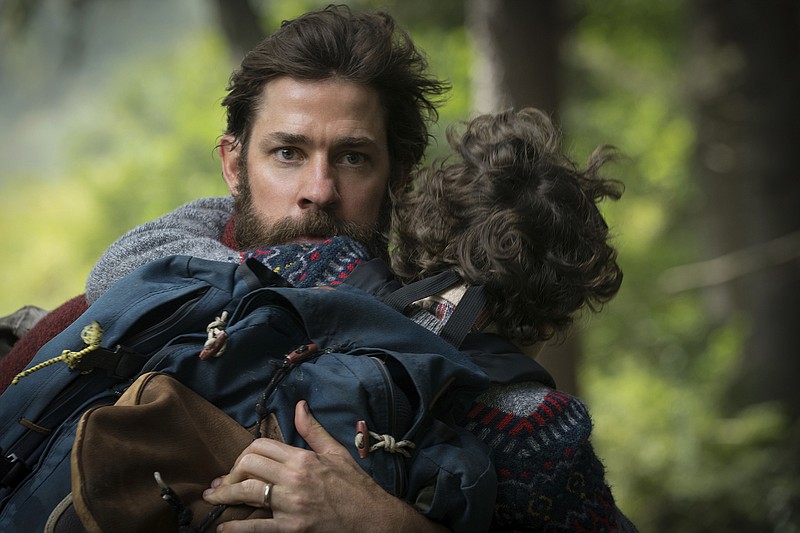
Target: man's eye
{"x": 354, "y": 158}
{"x": 286, "y": 154}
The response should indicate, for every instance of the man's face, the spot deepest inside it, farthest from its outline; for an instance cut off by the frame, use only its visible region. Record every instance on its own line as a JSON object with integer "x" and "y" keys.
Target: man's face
{"x": 316, "y": 164}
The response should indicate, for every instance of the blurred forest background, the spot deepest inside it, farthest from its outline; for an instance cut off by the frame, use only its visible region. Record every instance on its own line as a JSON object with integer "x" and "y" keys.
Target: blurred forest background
{"x": 110, "y": 114}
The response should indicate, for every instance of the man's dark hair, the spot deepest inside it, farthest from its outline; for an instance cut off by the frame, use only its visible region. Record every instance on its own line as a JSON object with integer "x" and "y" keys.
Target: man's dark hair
{"x": 362, "y": 47}
{"x": 517, "y": 216}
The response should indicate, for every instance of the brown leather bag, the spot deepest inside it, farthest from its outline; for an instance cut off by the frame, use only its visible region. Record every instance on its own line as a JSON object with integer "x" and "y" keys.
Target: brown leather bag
{"x": 157, "y": 425}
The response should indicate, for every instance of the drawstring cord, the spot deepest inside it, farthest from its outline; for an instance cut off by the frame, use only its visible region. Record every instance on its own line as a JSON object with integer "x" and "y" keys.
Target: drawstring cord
{"x": 183, "y": 511}
{"x": 185, "y": 514}
{"x": 91, "y": 335}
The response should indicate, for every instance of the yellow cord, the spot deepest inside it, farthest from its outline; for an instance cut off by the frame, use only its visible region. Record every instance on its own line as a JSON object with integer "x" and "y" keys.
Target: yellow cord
{"x": 91, "y": 335}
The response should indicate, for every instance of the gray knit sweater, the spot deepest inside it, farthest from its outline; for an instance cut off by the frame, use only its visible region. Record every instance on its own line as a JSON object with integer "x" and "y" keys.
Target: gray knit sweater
{"x": 193, "y": 229}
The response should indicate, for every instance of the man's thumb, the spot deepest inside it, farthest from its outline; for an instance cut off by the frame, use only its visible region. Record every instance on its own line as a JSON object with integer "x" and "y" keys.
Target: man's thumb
{"x": 312, "y": 431}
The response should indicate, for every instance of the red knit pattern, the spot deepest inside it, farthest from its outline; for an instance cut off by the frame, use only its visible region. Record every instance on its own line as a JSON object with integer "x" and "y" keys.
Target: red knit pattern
{"x": 549, "y": 478}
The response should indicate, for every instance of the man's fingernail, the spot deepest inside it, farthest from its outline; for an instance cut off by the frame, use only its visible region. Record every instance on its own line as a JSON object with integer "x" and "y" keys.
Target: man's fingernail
{"x": 216, "y": 483}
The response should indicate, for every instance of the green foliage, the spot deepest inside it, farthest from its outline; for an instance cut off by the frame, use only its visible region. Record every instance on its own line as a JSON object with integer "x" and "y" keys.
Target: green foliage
{"x": 42, "y": 225}
{"x": 158, "y": 150}
{"x": 144, "y": 150}
{"x": 449, "y": 56}
{"x": 657, "y": 372}
{"x": 678, "y": 463}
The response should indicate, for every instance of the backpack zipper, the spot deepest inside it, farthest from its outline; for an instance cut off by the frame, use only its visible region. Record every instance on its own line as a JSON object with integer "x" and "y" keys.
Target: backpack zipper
{"x": 399, "y": 465}
{"x": 183, "y": 310}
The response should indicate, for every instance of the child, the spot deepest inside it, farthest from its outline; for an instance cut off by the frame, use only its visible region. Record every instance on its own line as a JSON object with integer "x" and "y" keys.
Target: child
{"x": 514, "y": 215}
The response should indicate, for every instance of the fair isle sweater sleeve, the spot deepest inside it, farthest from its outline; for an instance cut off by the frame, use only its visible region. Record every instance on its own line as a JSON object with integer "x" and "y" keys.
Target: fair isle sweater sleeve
{"x": 192, "y": 229}
{"x": 549, "y": 478}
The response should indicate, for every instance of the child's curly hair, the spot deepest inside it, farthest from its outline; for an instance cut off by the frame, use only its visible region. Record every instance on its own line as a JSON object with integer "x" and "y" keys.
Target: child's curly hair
{"x": 517, "y": 216}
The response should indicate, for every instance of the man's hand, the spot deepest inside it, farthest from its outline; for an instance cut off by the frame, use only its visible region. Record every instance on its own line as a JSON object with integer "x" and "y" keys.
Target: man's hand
{"x": 319, "y": 490}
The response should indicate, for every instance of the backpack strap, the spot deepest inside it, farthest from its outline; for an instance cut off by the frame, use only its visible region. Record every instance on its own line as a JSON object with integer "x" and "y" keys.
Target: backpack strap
{"x": 497, "y": 357}
{"x": 376, "y": 278}
{"x": 465, "y": 314}
{"x": 503, "y": 362}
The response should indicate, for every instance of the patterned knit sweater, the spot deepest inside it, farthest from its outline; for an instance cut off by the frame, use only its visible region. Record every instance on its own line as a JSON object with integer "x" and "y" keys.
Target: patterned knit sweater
{"x": 549, "y": 477}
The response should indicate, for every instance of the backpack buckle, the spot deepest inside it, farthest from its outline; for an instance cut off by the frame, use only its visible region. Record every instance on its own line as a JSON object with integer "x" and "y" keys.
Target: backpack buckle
{"x": 12, "y": 470}
{"x": 120, "y": 363}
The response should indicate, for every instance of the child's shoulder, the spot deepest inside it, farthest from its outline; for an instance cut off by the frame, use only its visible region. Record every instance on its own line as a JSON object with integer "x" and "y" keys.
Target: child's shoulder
{"x": 531, "y": 410}
{"x": 549, "y": 477}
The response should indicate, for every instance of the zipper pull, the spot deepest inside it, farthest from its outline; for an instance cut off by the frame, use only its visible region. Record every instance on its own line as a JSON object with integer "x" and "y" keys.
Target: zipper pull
{"x": 385, "y": 442}
{"x": 300, "y": 354}
{"x": 362, "y": 439}
{"x": 295, "y": 357}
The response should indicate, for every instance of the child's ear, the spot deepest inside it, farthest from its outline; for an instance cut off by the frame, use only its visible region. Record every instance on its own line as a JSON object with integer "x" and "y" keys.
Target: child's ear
{"x": 229, "y": 152}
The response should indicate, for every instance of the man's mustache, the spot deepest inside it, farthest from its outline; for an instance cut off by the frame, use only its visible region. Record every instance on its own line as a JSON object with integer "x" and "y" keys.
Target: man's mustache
{"x": 314, "y": 224}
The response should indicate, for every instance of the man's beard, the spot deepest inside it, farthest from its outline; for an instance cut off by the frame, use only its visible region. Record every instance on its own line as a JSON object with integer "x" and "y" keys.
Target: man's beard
{"x": 252, "y": 232}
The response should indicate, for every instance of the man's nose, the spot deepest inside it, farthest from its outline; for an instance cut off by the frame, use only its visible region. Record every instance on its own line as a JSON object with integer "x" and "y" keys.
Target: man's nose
{"x": 319, "y": 187}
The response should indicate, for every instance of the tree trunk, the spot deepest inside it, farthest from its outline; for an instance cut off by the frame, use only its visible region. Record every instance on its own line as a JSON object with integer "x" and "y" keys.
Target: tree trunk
{"x": 746, "y": 74}
{"x": 747, "y": 58}
{"x": 518, "y": 54}
{"x": 518, "y": 65}
{"x": 240, "y": 24}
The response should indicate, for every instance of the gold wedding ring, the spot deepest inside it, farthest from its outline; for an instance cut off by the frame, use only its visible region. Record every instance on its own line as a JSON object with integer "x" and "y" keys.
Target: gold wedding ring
{"x": 268, "y": 495}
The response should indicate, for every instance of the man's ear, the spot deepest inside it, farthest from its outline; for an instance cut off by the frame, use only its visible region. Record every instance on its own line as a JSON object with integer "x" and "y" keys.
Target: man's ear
{"x": 229, "y": 151}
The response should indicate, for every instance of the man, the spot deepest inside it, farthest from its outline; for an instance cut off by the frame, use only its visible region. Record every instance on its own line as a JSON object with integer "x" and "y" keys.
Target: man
{"x": 325, "y": 119}
{"x": 307, "y": 153}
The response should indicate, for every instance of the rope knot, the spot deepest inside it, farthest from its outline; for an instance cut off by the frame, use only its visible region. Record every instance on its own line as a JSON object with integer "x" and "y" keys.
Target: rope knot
{"x": 389, "y": 444}
{"x": 182, "y": 511}
{"x": 384, "y": 442}
{"x": 217, "y": 339}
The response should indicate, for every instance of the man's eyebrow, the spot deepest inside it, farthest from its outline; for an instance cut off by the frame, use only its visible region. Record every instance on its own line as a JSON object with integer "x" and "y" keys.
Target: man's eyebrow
{"x": 282, "y": 137}
{"x": 355, "y": 141}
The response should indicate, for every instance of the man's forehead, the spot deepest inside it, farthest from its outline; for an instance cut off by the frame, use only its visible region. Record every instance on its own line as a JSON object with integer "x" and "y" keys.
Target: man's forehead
{"x": 303, "y": 111}
{"x": 357, "y": 98}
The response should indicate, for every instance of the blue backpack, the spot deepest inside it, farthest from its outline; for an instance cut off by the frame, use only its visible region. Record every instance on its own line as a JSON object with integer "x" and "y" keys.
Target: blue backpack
{"x": 368, "y": 363}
